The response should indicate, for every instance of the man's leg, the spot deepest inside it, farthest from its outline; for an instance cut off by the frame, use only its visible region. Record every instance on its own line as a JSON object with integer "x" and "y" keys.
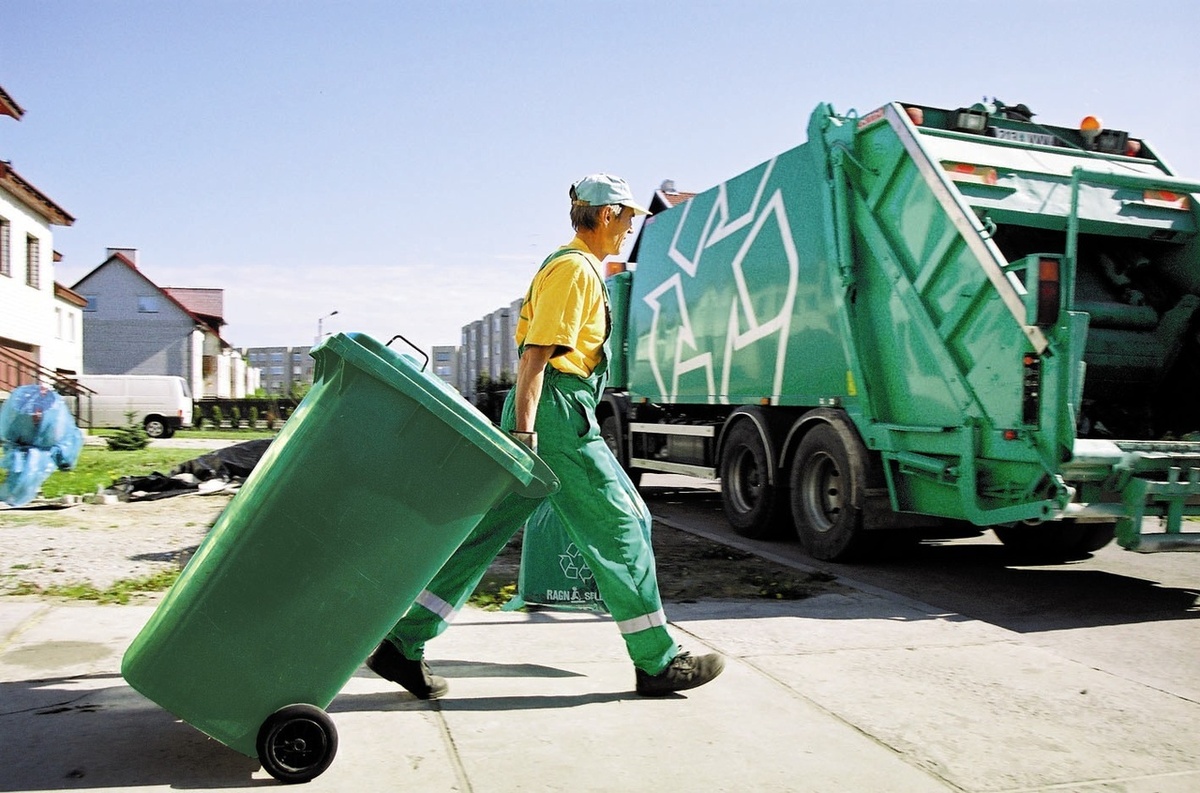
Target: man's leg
{"x": 441, "y": 600}
{"x": 608, "y": 521}
{"x": 399, "y": 657}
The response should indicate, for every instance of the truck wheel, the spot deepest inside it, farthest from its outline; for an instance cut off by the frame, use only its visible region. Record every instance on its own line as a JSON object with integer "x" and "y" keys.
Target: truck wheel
{"x": 156, "y": 427}
{"x": 754, "y": 507}
{"x": 827, "y": 478}
{"x": 296, "y": 743}
{"x": 1059, "y": 541}
{"x": 610, "y": 430}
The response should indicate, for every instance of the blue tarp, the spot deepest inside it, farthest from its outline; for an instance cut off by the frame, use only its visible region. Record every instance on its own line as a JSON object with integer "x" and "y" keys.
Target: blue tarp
{"x": 37, "y": 435}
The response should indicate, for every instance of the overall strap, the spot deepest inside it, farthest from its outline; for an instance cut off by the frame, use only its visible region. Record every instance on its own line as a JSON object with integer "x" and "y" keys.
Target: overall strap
{"x": 564, "y": 251}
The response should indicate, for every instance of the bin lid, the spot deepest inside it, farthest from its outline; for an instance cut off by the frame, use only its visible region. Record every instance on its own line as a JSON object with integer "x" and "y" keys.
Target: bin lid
{"x": 445, "y": 403}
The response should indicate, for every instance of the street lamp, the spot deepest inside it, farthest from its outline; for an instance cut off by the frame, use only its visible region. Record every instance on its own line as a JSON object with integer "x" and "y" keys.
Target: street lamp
{"x": 320, "y": 320}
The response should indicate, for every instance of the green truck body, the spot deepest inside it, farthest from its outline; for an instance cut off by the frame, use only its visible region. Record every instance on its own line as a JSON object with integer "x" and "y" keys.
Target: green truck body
{"x": 929, "y": 320}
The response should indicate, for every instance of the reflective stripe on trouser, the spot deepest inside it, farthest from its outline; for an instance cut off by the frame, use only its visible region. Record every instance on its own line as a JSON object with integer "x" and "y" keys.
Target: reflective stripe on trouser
{"x": 601, "y": 512}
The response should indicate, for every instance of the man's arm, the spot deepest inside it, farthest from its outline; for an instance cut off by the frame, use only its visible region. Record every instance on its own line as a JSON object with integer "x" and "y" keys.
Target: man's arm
{"x": 530, "y": 371}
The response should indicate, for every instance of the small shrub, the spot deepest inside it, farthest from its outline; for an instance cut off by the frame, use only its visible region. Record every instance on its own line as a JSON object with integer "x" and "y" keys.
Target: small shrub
{"x": 253, "y": 417}
{"x": 129, "y": 438}
{"x": 218, "y": 416}
{"x": 235, "y": 418}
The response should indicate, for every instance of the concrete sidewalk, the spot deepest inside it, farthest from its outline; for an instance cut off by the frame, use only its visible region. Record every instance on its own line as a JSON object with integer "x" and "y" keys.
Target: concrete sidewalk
{"x": 858, "y": 692}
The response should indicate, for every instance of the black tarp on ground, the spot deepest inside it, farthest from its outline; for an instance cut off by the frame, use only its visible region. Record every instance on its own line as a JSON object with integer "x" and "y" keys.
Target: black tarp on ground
{"x": 229, "y": 464}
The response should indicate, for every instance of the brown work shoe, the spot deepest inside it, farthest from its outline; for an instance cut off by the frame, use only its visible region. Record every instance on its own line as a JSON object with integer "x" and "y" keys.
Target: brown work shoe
{"x": 685, "y": 671}
{"x": 414, "y": 676}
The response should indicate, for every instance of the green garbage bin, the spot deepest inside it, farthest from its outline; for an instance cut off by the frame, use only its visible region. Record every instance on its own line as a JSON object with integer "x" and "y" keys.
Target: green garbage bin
{"x": 375, "y": 480}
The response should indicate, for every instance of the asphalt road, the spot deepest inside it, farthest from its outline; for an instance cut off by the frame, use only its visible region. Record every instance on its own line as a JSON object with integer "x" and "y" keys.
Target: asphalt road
{"x": 1133, "y": 615}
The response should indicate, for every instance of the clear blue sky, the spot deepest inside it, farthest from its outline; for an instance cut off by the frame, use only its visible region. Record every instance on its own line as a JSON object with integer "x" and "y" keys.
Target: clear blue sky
{"x": 407, "y": 163}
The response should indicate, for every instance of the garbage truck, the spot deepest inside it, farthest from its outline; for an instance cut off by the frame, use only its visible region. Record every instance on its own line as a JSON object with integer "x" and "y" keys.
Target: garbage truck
{"x": 924, "y": 322}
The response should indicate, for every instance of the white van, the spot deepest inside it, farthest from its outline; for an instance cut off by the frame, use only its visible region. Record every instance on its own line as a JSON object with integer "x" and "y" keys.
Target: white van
{"x": 160, "y": 403}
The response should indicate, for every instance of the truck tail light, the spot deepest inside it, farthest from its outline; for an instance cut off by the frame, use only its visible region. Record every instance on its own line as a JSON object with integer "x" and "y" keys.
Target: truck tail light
{"x": 1165, "y": 198}
{"x": 1049, "y": 292}
{"x": 966, "y": 172}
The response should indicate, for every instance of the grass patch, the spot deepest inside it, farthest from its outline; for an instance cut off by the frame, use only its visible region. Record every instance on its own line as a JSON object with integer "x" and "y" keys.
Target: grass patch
{"x": 237, "y": 435}
{"x": 492, "y": 595}
{"x": 121, "y": 591}
{"x": 99, "y": 467}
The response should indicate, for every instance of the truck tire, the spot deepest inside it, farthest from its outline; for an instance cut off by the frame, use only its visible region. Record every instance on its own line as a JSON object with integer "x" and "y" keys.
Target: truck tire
{"x": 828, "y": 480}
{"x": 754, "y": 507}
{"x": 1049, "y": 543}
{"x": 610, "y": 430}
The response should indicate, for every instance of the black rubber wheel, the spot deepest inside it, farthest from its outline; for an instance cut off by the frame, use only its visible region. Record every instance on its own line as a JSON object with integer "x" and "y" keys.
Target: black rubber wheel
{"x": 828, "y": 481}
{"x": 1050, "y": 543}
{"x": 610, "y": 431}
{"x": 156, "y": 427}
{"x": 754, "y": 507}
{"x": 297, "y": 743}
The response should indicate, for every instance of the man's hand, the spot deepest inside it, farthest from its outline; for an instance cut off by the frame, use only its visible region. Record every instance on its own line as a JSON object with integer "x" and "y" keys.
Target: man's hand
{"x": 528, "y": 439}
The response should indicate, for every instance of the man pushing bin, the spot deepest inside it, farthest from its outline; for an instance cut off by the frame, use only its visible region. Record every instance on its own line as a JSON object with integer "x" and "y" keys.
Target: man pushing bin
{"x": 562, "y": 335}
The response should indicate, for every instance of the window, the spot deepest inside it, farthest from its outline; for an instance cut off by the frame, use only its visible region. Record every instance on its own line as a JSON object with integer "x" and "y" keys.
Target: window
{"x": 58, "y": 323}
{"x": 92, "y": 302}
{"x": 148, "y": 304}
{"x": 5, "y": 255}
{"x": 33, "y": 262}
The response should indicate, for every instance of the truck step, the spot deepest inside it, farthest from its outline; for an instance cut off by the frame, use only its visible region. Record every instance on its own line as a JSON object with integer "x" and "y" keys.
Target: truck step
{"x": 1169, "y": 500}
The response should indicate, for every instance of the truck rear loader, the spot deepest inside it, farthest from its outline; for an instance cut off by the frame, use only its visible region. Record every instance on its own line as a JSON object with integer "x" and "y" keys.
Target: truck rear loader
{"x": 925, "y": 321}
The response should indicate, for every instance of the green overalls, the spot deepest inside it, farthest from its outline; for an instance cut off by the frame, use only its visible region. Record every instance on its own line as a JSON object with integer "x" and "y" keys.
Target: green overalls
{"x": 600, "y": 509}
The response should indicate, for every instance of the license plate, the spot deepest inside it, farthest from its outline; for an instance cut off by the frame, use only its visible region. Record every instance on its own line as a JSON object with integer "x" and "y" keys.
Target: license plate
{"x": 1022, "y": 136}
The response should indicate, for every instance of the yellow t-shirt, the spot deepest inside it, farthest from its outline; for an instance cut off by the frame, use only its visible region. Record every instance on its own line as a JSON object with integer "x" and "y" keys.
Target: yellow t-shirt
{"x": 565, "y": 308}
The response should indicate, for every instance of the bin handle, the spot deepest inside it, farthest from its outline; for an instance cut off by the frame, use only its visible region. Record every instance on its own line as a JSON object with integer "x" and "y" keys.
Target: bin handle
{"x": 410, "y": 344}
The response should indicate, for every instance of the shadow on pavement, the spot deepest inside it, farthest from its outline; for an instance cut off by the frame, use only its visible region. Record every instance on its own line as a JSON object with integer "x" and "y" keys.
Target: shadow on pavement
{"x": 978, "y": 579}
{"x": 94, "y": 731}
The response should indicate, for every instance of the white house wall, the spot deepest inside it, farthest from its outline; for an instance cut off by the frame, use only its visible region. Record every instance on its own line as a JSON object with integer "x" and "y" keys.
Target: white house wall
{"x": 224, "y": 373}
{"x": 196, "y": 378}
{"x": 120, "y": 339}
{"x": 64, "y": 351}
{"x": 26, "y": 314}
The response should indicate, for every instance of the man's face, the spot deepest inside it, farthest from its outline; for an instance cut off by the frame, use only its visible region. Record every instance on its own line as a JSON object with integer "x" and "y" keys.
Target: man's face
{"x": 615, "y": 228}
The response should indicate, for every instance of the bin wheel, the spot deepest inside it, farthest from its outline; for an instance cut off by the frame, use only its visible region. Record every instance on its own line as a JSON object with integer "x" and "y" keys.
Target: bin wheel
{"x": 297, "y": 743}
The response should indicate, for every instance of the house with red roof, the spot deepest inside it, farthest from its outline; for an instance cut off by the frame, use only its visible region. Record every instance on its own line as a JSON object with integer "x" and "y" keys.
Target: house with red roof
{"x": 131, "y": 325}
